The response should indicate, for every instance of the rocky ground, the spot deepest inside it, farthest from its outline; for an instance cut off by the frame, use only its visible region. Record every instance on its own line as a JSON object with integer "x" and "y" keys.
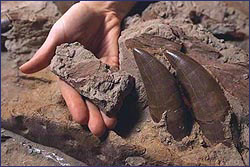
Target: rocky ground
{"x": 213, "y": 33}
{"x": 18, "y": 151}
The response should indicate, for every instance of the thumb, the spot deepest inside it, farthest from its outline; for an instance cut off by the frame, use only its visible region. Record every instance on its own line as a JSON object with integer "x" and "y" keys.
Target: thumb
{"x": 109, "y": 52}
{"x": 43, "y": 56}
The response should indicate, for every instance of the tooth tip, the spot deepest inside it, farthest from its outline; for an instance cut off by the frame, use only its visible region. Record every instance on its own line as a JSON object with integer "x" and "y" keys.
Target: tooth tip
{"x": 169, "y": 51}
{"x": 137, "y": 50}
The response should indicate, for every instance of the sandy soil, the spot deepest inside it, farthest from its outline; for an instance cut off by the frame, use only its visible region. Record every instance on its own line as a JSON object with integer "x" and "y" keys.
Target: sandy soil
{"x": 26, "y": 92}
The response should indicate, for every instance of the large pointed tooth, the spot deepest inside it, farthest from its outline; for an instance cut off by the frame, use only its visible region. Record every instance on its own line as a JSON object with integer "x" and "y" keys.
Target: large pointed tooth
{"x": 162, "y": 92}
{"x": 210, "y": 106}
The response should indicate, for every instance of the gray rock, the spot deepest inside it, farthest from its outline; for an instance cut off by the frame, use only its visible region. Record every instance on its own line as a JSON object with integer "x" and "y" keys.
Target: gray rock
{"x": 221, "y": 28}
{"x": 31, "y": 24}
{"x": 245, "y": 135}
{"x": 245, "y": 156}
{"x": 226, "y": 156}
{"x": 135, "y": 161}
{"x": 105, "y": 86}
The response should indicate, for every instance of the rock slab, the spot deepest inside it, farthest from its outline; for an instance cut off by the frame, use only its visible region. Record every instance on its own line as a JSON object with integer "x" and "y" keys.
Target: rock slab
{"x": 105, "y": 86}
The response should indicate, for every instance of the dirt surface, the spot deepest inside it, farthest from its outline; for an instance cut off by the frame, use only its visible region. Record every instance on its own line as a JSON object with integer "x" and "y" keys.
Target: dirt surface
{"x": 33, "y": 107}
{"x": 17, "y": 150}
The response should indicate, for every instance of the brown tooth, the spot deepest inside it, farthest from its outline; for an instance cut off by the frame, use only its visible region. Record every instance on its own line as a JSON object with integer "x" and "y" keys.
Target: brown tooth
{"x": 162, "y": 92}
{"x": 152, "y": 43}
{"x": 210, "y": 106}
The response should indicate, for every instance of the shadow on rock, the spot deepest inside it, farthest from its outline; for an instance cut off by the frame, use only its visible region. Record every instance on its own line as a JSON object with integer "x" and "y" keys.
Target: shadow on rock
{"x": 128, "y": 116}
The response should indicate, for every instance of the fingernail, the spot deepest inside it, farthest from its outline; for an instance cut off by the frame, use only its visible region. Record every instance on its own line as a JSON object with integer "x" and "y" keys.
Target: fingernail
{"x": 21, "y": 67}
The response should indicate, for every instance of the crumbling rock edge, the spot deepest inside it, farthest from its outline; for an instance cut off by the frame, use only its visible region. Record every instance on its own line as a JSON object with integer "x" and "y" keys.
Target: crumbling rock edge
{"x": 143, "y": 133}
{"x": 103, "y": 85}
{"x": 73, "y": 140}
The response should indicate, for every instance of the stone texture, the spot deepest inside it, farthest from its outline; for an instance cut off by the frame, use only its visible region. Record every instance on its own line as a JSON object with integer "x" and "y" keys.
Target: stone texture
{"x": 135, "y": 161}
{"x": 103, "y": 85}
{"x": 211, "y": 57}
{"x": 31, "y": 23}
{"x": 17, "y": 150}
{"x": 194, "y": 41}
{"x": 226, "y": 156}
{"x": 64, "y": 6}
{"x": 32, "y": 106}
{"x": 222, "y": 30}
{"x": 216, "y": 11}
{"x": 218, "y": 15}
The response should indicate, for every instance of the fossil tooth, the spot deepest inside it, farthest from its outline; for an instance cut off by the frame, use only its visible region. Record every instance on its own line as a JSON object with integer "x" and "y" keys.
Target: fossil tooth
{"x": 151, "y": 43}
{"x": 210, "y": 106}
{"x": 163, "y": 94}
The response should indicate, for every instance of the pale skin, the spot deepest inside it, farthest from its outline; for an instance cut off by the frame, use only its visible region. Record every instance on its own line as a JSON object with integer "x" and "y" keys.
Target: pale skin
{"x": 96, "y": 25}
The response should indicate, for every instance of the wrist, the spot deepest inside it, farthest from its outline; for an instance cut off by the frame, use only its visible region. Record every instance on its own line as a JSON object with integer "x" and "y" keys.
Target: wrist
{"x": 120, "y": 9}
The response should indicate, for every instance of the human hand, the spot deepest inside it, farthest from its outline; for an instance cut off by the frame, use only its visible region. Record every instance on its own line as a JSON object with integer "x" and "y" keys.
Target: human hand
{"x": 96, "y": 25}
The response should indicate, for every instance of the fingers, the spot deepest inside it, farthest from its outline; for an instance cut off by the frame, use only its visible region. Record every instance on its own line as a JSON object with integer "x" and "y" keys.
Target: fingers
{"x": 76, "y": 105}
{"x": 85, "y": 113}
{"x": 43, "y": 56}
{"x": 109, "y": 122}
{"x": 96, "y": 123}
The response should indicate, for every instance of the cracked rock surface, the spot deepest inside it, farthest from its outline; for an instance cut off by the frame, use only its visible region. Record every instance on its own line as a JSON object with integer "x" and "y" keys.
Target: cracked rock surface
{"x": 32, "y": 105}
{"x": 105, "y": 86}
